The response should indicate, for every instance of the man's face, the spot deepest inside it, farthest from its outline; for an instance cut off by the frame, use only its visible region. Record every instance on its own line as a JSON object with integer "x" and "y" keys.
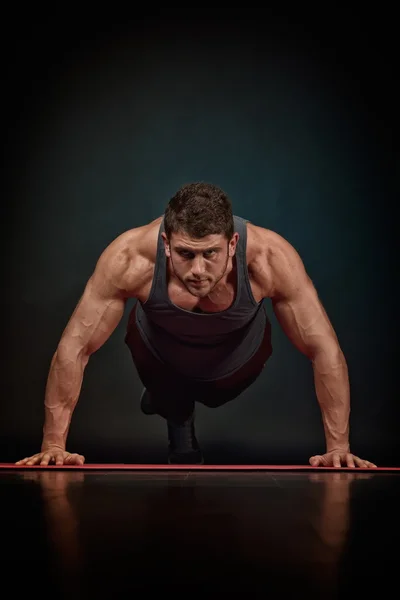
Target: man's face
{"x": 199, "y": 263}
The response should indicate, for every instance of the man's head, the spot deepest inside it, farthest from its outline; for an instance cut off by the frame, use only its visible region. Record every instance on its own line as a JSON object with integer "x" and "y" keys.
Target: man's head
{"x": 199, "y": 236}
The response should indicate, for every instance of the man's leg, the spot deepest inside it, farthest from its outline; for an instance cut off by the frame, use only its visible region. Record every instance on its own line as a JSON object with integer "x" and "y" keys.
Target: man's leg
{"x": 166, "y": 395}
{"x": 179, "y": 412}
{"x": 173, "y": 398}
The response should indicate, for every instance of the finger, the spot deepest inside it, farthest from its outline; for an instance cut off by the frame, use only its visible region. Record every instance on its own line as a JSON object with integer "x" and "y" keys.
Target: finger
{"x": 336, "y": 460}
{"x": 81, "y": 459}
{"x": 33, "y": 460}
{"x": 363, "y": 464}
{"x": 369, "y": 465}
{"x": 315, "y": 461}
{"x": 67, "y": 458}
{"x": 23, "y": 461}
{"x": 59, "y": 458}
{"x": 45, "y": 459}
{"x": 74, "y": 459}
{"x": 350, "y": 461}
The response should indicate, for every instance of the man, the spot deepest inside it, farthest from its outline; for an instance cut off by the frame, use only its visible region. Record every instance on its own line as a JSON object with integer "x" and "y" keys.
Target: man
{"x": 198, "y": 331}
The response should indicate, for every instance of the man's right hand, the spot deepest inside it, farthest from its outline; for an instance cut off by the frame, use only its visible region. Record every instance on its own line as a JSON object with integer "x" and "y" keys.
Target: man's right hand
{"x": 53, "y": 455}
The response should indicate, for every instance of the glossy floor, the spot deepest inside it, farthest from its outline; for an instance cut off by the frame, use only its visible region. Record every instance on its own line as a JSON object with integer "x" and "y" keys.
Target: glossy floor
{"x": 105, "y": 534}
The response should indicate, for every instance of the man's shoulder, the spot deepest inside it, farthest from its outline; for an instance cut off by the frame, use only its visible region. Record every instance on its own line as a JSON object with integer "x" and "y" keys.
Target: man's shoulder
{"x": 128, "y": 261}
{"x": 271, "y": 259}
{"x": 264, "y": 242}
{"x": 139, "y": 241}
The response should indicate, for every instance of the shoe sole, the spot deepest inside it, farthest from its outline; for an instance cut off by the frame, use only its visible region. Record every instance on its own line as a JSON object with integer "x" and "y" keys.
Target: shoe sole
{"x": 199, "y": 462}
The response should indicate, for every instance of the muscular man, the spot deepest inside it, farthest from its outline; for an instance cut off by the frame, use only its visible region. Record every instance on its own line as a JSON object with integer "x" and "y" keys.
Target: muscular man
{"x": 198, "y": 331}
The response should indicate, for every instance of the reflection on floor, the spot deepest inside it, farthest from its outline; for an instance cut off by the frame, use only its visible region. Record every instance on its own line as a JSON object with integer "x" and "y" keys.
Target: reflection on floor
{"x": 102, "y": 534}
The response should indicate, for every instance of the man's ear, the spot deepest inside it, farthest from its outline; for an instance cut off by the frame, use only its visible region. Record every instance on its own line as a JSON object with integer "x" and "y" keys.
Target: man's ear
{"x": 232, "y": 244}
{"x": 167, "y": 246}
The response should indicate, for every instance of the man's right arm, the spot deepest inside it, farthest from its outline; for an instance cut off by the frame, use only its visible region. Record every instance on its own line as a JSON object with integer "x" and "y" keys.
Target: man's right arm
{"x": 94, "y": 319}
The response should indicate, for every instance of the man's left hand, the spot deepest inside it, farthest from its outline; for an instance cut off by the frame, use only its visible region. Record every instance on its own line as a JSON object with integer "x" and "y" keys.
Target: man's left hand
{"x": 337, "y": 458}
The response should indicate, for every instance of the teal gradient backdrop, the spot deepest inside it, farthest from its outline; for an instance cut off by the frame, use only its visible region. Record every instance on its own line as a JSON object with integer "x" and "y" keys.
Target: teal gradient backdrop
{"x": 105, "y": 128}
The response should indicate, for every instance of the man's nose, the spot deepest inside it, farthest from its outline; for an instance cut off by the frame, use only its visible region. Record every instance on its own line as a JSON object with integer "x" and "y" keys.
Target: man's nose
{"x": 198, "y": 265}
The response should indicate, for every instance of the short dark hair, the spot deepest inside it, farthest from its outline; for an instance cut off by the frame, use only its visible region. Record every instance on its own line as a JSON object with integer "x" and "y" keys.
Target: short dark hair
{"x": 199, "y": 209}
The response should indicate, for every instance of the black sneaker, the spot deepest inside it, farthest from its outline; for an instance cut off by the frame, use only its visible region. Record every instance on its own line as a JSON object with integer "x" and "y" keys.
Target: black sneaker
{"x": 145, "y": 403}
{"x": 183, "y": 447}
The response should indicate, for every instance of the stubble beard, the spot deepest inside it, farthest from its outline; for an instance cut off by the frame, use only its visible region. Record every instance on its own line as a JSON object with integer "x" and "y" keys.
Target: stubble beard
{"x": 200, "y": 293}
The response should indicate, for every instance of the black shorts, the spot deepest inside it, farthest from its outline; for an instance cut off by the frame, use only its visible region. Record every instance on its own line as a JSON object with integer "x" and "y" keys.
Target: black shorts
{"x": 173, "y": 395}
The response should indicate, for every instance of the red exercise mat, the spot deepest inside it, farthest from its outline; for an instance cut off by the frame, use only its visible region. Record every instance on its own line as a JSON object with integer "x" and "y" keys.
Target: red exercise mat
{"x": 166, "y": 467}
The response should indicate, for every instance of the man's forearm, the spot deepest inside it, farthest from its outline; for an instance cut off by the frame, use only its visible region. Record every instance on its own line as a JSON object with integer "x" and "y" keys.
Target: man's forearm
{"x": 333, "y": 392}
{"x": 62, "y": 392}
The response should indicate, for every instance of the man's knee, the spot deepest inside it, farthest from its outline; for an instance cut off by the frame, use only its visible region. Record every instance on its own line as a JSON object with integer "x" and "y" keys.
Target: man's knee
{"x": 221, "y": 396}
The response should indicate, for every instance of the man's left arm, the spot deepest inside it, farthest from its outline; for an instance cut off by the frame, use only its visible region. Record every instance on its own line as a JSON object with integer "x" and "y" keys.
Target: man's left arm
{"x": 304, "y": 320}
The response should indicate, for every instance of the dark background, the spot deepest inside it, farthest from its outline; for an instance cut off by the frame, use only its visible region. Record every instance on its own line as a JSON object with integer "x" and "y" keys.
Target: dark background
{"x": 295, "y": 116}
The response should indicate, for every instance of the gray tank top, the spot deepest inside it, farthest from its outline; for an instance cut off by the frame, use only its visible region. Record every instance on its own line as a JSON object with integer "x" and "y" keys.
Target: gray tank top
{"x": 202, "y": 346}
